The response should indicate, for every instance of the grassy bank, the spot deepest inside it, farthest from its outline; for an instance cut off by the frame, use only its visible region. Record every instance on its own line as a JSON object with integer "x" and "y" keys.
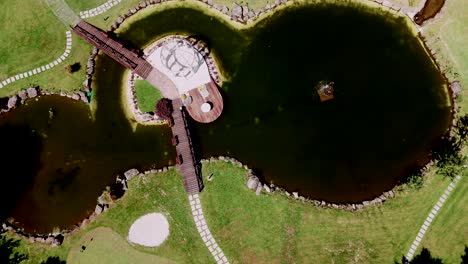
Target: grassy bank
{"x": 268, "y": 228}
{"x": 161, "y": 193}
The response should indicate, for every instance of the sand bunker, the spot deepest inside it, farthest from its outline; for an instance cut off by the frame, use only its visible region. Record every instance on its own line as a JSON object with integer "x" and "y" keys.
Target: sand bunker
{"x": 149, "y": 230}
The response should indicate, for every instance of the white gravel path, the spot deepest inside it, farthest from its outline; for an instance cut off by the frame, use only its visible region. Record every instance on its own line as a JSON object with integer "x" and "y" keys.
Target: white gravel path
{"x": 431, "y": 217}
{"x": 100, "y": 9}
{"x": 204, "y": 232}
{"x": 43, "y": 67}
{"x": 150, "y": 230}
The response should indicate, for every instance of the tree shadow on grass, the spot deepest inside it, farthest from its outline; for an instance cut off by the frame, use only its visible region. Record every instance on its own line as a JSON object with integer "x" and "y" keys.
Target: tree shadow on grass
{"x": 7, "y": 251}
{"x": 54, "y": 260}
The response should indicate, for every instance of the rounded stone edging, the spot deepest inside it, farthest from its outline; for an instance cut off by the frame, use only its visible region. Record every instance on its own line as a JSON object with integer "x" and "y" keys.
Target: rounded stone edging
{"x": 254, "y": 183}
{"x": 44, "y": 67}
{"x": 35, "y": 92}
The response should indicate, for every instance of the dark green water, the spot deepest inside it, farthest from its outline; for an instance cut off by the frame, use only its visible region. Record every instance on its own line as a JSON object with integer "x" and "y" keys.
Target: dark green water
{"x": 56, "y": 167}
{"x": 389, "y": 109}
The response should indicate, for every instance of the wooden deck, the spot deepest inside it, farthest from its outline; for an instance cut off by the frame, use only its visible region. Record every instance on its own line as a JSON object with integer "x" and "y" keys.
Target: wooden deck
{"x": 214, "y": 99}
{"x": 185, "y": 154}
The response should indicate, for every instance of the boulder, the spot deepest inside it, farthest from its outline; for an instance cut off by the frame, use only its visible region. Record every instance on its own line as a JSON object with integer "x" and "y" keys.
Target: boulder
{"x": 252, "y": 183}
{"x": 131, "y": 173}
{"x": 120, "y": 20}
{"x": 267, "y": 189}
{"x": 23, "y": 95}
{"x": 245, "y": 11}
{"x": 32, "y": 92}
{"x": 146, "y": 117}
{"x": 259, "y": 189}
{"x": 236, "y": 10}
{"x": 75, "y": 97}
{"x": 296, "y": 195}
{"x": 98, "y": 210}
{"x": 83, "y": 97}
{"x": 12, "y": 101}
{"x": 456, "y": 88}
{"x": 225, "y": 9}
{"x": 142, "y": 4}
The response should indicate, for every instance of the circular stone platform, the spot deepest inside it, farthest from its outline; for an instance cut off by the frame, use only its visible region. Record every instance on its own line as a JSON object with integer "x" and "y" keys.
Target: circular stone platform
{"x": 150, "y": 230}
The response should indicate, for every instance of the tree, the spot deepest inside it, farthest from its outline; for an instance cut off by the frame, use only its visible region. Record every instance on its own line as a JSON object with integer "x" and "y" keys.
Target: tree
{"x": 164, "y": 109}
{"x": 447, "y": 151}
{"x": 8, "y": 253}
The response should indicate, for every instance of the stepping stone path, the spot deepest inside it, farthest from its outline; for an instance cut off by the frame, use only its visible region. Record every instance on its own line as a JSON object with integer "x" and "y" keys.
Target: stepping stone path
{"x": 204, "y": 232}
{"x": 43, "y": 67}
{"x": 99, "y": 10}
{"x": 431, "y": 217}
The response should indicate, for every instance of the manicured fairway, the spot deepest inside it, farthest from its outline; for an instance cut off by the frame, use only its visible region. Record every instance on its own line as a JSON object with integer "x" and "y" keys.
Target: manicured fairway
{"x": 104, "y": 246}
{"x": 258, "y": 229}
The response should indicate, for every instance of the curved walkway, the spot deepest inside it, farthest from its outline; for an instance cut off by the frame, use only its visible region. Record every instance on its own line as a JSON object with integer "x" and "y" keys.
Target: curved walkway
{"x": 204, "y": 232}
{"x": 46, "y": 67}
{"x": 431, "y": 217}
{"x": 100, "y": 9}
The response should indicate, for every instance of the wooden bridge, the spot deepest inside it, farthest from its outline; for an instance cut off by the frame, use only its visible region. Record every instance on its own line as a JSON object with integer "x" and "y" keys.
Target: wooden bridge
{"x": 186, "y": 162}
{"x": 129, "y": 58}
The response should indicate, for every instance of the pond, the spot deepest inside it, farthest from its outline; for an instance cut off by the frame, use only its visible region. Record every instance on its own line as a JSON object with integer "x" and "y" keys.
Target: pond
{"x": 390, "y": 106}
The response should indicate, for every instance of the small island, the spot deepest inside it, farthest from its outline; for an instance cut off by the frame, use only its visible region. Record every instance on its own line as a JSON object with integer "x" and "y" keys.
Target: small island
{"x": 325, "y": 90}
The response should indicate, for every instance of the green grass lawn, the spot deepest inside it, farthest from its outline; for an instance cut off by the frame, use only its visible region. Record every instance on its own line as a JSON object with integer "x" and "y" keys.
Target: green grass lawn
{"x": 448, "y": 36}
{"x": 147, "y": 95}
{"x": 81, "y": 5}
{"x": 104, "y": 246}
{"x": 163, "y": 193}
{"x": 30, "y": 36}
{"x": 270, "y": 228}
{"x": 274, "y": 229}
{"x": 448, "y": 232}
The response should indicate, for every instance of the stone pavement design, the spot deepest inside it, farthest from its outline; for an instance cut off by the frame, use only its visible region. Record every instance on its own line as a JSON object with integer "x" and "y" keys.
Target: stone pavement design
{"x": 100, "y": 9}
{"x": 44, "y": 67}
{"x": 204, "y": 231}
{"x": 431, "y": 217}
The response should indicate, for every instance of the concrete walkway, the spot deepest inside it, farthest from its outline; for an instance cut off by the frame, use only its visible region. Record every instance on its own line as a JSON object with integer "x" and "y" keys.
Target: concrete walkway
{"x": 46, "y": 67}
{"x": 204, "y": 231}
{"x": 431, "y": 217}
{"x": 99, "y": 10}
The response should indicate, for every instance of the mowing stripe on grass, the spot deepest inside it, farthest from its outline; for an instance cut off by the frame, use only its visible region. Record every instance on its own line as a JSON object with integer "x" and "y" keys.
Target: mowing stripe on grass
{"x": 430, "y": 217}
{"x": 41, "y": 68}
